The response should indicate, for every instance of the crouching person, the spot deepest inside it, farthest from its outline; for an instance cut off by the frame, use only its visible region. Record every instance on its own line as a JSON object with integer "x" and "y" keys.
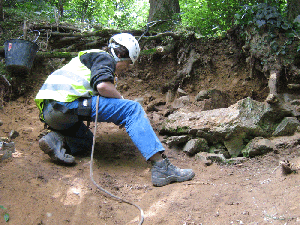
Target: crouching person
{"x": 69, "y": 96}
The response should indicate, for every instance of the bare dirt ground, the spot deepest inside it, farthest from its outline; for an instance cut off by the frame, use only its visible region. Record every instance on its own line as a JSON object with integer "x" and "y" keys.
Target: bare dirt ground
{"x": 36, "y": 191}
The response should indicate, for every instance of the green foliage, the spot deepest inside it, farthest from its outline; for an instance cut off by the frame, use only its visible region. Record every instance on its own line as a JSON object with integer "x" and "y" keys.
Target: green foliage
{"x": 208, "y": 17}
{"x": 6, "y": 215}
{"x": 271, "y": 20}
{"x": 261, "y": 15}
{"x": 205, "y": 17}
{"x": 130, "y": 14}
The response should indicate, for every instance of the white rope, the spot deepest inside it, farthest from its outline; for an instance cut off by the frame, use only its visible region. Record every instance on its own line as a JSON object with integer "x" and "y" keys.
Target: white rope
{"x": 91, "y": 169}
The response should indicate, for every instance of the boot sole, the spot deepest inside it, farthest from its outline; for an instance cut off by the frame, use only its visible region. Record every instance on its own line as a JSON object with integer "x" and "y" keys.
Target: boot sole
{"x": 46, "y": 149}
{"x": 159, "y": 182}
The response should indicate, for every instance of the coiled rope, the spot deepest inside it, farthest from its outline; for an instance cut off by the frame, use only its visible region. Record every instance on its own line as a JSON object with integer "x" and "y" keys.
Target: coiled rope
{"x": 91, "y": 170}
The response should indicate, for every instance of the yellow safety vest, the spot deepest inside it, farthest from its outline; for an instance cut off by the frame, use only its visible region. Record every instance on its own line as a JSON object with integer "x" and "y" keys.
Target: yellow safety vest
{"x": 67, "y": 84}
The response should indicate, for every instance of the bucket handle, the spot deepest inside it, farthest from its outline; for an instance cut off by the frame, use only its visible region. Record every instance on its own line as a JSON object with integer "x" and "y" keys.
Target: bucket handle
{"x": 35, "y": 38}
{"x": 37, "y": 35}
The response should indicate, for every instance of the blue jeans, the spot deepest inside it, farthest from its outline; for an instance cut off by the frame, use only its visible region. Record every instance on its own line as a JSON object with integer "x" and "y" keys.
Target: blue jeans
{"x": 120, "y": 112}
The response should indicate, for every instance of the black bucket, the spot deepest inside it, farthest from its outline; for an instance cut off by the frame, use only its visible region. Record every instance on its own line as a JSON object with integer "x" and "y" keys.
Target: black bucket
{"x": 19, "y": 55}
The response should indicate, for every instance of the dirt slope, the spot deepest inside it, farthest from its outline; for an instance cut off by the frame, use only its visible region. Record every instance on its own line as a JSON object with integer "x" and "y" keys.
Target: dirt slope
{"x": 36, "y": 191}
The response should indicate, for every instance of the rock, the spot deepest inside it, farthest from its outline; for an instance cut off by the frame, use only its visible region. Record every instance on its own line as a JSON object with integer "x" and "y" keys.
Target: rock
{"x": 235, "y": 126}
{"x": 154, "y": 106}
{"x": 287, "y": 127}
{"x": 181, "y": 92}
{"x": 13, "y": 134}
{"x": 286, "y": 167}
{"x": 219, "y": 149}
{"x": 238, "y": 123}
{"x": 167, "y": 112}
{"x": 204, "y": 94}
{"x": 156, "y": 117}
{"x": 205, "y": 156}
{"x": 6, "y": 150}
{"x": 1, "y": 122}
{"x": 181, "y": 102}
{"x": 212, "y": 99}
{"x": 235, "y": 145}
{"x": 194, "y": 146}
{"x": 236, "y": 160}
{"x": 170, "y": 96}
{"x": 176, "y": 140}
{"x": 258, "y": 146}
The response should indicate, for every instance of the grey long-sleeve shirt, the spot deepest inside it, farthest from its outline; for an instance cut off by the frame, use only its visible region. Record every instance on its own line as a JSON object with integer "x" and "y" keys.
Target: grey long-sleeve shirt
{"x": 102, "y": 66}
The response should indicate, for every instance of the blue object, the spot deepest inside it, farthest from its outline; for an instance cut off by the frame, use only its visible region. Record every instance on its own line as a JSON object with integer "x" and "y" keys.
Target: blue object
{"x": 118, "y": 111}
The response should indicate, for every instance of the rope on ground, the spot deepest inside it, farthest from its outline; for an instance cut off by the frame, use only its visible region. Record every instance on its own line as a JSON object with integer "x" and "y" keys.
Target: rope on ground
{"x": 91, "y": 170}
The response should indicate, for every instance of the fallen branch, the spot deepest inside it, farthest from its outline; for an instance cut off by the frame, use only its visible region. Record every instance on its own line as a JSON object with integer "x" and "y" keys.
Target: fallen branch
{"x": 160, "y": 35}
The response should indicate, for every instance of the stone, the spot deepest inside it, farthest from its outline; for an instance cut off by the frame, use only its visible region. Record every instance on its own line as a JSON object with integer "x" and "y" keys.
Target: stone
{"x": 181, "y": 92}
{"x": 205, "y": 156}
{"x": 204, "y": 94}
{"x": 234, "y": 145}
{"x": 176, "y": 140}
{"x": 13, "y": 134}
{"x": 250, "y": 117}
{"x": 181, "y": 102}
{"x": 236, "y": 160}
{"x": 258, "y": 146}
{"x": 287, "y": 127}
{"x": 194, "y": 146}
{"x": 170, "y": 96}
{"x": 6, "y": 150}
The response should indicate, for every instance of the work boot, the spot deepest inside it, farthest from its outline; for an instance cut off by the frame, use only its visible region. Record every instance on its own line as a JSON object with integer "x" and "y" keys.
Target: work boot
{"x": 163, "y": 173}
{"x": 52, "y": 144}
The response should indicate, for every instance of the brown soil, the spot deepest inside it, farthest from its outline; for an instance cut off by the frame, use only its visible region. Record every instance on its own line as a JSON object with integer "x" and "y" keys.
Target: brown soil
{"x": 36, "y": 191}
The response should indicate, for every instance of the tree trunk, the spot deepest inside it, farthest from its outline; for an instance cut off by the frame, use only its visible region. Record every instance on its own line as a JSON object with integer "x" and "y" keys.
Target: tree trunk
{"x": 61, "y": 8}
{"x": 1, "y": 10}
{"x": 293, "y": 8}
{"x": 164, "y": 10}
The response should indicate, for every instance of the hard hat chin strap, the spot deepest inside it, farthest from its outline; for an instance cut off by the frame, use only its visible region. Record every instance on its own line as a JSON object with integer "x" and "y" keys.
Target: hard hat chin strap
{"x": 114, "y": 55}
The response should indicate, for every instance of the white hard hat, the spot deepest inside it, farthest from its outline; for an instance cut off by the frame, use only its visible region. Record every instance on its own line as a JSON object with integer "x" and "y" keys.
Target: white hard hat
{"x": 129, "y": 42}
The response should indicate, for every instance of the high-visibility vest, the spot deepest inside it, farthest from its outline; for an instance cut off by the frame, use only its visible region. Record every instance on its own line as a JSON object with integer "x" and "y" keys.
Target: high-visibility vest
{"x": 67, "y": 84}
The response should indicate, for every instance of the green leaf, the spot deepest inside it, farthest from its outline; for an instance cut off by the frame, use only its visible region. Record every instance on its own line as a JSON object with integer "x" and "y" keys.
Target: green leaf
{"x": 260, "y": 23}
{"x": 6, "y": 217}
{"x": 298, "y": 49}
{"x": 2, "y": 207}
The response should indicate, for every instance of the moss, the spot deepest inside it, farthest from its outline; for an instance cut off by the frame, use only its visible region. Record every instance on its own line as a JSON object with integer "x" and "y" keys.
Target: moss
{"x": 149, "y": 51}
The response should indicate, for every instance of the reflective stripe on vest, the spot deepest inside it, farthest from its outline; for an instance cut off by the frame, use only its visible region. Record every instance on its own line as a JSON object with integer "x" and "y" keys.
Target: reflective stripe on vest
{"x": 67, "y": 84}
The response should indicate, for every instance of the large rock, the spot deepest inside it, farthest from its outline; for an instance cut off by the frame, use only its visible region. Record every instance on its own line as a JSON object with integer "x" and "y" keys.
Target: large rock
{"x": 238, "y": 123}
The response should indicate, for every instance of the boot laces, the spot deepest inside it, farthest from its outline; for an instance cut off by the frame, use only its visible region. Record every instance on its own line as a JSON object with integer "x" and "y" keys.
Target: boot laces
{"x": 170, "y": 165}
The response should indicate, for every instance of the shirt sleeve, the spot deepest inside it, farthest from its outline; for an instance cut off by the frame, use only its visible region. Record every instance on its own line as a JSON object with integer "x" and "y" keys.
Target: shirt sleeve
{"x": 102, "y": 66}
